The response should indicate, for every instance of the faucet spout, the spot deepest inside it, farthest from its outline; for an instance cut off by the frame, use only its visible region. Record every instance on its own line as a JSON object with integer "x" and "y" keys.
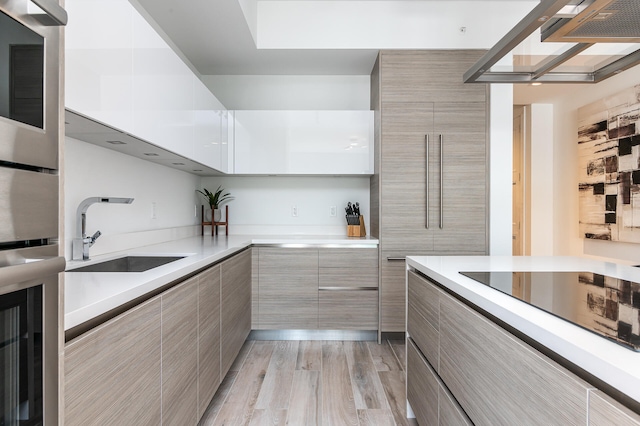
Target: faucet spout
{"x": 81, "y": 244}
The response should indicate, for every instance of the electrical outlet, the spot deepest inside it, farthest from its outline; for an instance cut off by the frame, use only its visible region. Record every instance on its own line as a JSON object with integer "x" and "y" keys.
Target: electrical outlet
{"x": 294, "y": 211}
{"x": 333, "y": 211}
{"x": 154, "y": 214}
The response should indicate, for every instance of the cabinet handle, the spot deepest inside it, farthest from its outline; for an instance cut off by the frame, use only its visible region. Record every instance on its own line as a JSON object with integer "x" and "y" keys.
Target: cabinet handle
{"x": 54, "y": 11}
{"x": 426, "y": 179}
{"x": 396, "y": 259}
{"x": 441, "y": 183}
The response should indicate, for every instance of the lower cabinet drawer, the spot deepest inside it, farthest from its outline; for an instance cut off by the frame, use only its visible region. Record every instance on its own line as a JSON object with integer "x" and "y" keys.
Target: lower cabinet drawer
{"x": 486, "y": 367}
{"x": 431, "y": 402}
{"x": 422, "y": 387}
{"x": 348, "y": 309}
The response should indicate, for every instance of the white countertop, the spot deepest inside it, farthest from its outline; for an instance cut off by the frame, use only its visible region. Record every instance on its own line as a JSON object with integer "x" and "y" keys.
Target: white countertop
{"x": 89, "y": 294}
{"x": 609, "y": 361}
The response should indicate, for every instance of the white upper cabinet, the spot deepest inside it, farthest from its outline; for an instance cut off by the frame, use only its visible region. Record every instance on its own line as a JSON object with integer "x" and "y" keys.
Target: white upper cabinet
{"x": 303, "y": 142}
{"x": 99, "y": 61}
{"x": 121, "y": 72}
{"x": 163, "y": 92}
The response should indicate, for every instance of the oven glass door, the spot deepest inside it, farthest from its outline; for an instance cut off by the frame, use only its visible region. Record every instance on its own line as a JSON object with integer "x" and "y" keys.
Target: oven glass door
{"x": 29, "y": 87}
{"x": 21, "y": 357}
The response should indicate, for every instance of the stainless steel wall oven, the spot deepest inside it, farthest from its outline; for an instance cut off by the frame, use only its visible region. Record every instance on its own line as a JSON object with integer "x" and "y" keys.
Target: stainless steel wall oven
{"x": 30, "y": 317}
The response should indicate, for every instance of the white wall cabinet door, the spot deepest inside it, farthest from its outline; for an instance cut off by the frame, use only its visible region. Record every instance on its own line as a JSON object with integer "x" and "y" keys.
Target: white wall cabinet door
{"x": 163, "y": 92}
{"x": 304, "y": 142}
{"x": 99, "y": 62}
{"x": 207, "y": 127}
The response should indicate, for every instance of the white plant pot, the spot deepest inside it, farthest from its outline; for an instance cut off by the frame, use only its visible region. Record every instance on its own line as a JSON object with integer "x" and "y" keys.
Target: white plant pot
{"x": 217, "y": 215}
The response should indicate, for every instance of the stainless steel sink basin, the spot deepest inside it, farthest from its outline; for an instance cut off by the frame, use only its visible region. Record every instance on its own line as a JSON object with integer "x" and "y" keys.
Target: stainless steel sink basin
{"x": 128, "y": 264}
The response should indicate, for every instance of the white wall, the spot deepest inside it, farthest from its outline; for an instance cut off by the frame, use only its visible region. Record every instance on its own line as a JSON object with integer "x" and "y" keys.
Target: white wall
{"x": 295, "y": 92}
{"x": 500, "y": 169}
{"x": 91, "y": 171}
{"x": 566, "y": 101}
{"x": 262, "y": 205}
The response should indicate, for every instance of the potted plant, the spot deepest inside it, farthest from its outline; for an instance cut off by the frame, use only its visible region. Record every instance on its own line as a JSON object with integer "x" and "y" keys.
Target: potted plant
{"x": 215, "y": 200}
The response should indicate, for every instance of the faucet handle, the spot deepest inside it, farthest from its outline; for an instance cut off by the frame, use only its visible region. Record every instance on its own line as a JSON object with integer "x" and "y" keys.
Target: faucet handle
{"x": 94, "y": 237}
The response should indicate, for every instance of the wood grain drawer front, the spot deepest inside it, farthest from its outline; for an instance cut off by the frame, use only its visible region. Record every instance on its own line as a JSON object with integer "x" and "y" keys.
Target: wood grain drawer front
{"x": 348, "y": 277}
{"x": 415, "y": 75}
{"x": 498, "y": 379}
{"x": 604, "y": 411}
{"x": 112, "y": 373}
{"x": 208, "y": 336}
{"x": 449, "y": 412}
{"x": 425, "y": 336}
{"x": 422, "y": 387}
{"x": 235, "y": 307}
{"x": 255, "y": 288}
{"x": 348, "y": 258}
{"x": 425, "y": 298}
{"x": 288, "y": 288}
{"x": 348, "y": 310}
{"x": 180, "y": 354}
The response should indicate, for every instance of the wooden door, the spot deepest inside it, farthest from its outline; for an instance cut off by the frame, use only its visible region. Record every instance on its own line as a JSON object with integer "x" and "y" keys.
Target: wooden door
{"x": 235, "y": 307}
{"x": 403, "y": 203}
{"x": 459, "y": 182}
{"x": 180, "y": 354}
{"x": 208, "y": 336}
{"x": 288, "y": 288}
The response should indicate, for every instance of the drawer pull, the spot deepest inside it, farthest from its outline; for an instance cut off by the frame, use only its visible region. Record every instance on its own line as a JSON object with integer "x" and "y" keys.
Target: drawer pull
{"x": 396, "y": 259}
{"x": 347, "y": 288}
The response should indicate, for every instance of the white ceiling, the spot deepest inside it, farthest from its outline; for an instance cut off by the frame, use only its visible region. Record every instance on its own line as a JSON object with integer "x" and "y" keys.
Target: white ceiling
{"x": 218, "y": 36}
{"x": 216, "y": 39}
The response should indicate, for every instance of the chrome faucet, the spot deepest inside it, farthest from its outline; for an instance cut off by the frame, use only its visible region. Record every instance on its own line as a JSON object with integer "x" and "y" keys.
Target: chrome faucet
{"x": 81, "y": 244}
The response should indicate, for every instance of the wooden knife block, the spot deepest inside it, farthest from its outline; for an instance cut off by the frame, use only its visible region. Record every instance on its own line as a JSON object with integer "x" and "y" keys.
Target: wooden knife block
{"x": 357, "y": 230}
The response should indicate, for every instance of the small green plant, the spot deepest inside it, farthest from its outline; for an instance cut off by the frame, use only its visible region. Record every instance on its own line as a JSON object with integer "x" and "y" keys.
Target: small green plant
{"x": 216, "y": 199}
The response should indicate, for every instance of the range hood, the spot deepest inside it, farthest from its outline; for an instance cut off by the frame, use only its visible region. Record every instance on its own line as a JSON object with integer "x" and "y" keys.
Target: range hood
{"x": 565, "y": 41}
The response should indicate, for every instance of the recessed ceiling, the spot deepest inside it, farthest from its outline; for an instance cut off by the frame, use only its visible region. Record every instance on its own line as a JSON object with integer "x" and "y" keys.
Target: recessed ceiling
{"x": 220, "y": 37}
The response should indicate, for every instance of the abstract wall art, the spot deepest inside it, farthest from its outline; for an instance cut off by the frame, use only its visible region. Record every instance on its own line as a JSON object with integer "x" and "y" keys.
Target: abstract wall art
{"x": 609, "y": 167}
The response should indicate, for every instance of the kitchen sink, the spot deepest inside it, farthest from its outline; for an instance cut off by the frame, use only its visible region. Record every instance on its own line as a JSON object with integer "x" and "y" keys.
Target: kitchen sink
{"x": 128, "y": 264}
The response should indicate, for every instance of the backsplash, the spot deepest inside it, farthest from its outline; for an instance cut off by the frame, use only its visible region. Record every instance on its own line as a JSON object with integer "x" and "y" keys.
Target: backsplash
{"x": 264, "y": 204}
{"x": 164, "y": 199}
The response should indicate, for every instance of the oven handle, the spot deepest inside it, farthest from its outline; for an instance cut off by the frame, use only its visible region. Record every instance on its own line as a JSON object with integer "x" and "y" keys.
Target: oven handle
{"x": 15, "y": 274}
{"x": 54, "y": 11}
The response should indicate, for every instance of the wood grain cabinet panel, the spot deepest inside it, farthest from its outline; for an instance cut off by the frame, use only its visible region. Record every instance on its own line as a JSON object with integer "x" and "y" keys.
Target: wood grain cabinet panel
{"x": 348, "y": 310}
{"x": 180, "y": 354}
{"x": 208, "y": 336}
{"x": 235, "y": 308}
{"x": 428, "y": 198}
{"x": 604, "y": 410}
{"x": 255, "y": 289}
{"x": 113, "y": 371}
{"x": 498, "y": 379}
{"x": 423, "y": 314}
{"x": 288, "y": 288}
{"x": 348, "y": 267}
{"x": 422, "y": 387}
{"x": 416, "y": 75}
{"x": 449, "y": 412}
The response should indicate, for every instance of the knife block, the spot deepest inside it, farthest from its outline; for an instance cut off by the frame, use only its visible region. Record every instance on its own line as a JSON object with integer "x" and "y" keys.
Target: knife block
{"x": 357, "y": 230}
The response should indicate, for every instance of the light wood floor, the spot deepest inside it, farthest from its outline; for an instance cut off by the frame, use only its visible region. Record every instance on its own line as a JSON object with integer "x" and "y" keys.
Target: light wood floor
{"x": 313, "y": 383}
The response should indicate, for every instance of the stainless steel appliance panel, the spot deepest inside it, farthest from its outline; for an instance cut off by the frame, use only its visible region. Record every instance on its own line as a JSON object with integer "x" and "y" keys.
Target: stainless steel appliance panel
{"x": 28, "y": 144}
{"x": 28, "y": 205}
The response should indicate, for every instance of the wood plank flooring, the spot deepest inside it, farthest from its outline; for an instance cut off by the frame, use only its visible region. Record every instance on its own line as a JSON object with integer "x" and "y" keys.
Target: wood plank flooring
{"x": 330, "y": 383}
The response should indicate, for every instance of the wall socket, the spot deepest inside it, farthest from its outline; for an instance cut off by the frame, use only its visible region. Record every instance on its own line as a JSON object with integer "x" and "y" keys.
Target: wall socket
{"x": 333, "y": 211}
{"x": 294, "y": 211}
{"x": 154, "y": 213}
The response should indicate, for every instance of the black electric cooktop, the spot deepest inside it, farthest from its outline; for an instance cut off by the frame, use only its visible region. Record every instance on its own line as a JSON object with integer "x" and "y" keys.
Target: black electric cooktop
{"x": 607, "y": 306}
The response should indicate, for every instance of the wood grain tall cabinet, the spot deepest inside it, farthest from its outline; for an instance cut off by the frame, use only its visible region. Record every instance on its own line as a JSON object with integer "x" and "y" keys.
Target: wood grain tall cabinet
{"x": 429, "y": 191}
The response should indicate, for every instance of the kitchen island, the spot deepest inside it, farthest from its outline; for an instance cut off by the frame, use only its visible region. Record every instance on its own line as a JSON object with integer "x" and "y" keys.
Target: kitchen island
{"x": 588, "y": 363}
